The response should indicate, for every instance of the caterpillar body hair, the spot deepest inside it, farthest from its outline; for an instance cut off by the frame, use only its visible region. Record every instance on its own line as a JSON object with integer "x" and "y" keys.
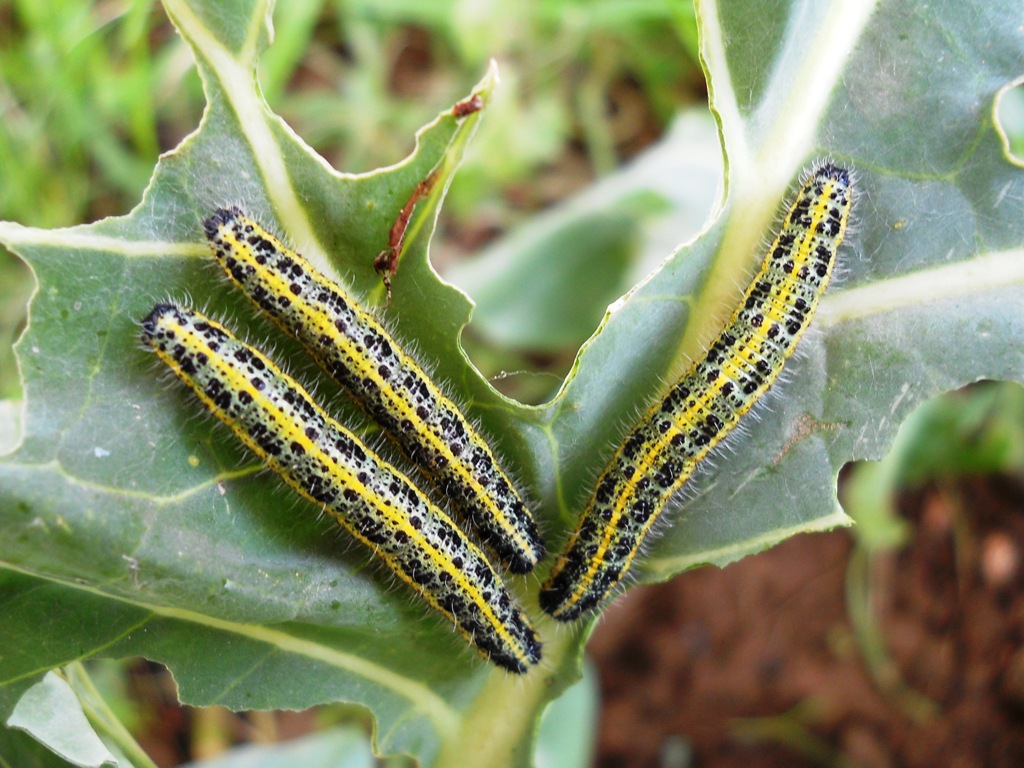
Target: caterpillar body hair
{"x": 662, "y": 451}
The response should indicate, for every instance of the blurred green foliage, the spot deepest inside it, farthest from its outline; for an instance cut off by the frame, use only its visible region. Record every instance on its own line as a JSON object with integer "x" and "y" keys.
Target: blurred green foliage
{"x": 976, "y": 431}
{"x": 91, "y": 93}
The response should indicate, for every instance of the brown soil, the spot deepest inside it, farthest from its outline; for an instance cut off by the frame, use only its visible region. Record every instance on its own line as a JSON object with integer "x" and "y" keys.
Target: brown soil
{"x": 759, "y": 664}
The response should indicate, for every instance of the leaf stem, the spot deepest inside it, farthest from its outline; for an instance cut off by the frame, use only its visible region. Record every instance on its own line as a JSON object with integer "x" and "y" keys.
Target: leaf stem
{"x": 102, "y": 716}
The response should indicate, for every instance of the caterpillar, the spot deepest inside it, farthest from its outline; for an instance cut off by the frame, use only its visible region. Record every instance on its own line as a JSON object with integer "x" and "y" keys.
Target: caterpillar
{"x": 662, "y": 451}
{"x": 357, "y": 351}
{"x": 275, "y": 418}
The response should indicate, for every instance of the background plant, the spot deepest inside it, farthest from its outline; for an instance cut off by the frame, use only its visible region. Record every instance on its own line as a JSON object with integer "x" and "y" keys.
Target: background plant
{"x": 919, "y": 202}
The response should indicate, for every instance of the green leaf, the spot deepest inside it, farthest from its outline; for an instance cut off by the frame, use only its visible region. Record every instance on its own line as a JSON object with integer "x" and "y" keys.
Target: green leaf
{"x": 926, "y": 303}
{"x": 19, "y": 750}
{"x": 50, "y": 712}
{"x": 129, "y": 527}
{"x": 566, "y": 736}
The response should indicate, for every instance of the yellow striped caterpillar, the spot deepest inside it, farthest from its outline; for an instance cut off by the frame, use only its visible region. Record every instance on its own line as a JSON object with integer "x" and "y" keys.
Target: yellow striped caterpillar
{"x": 275, "y": 418}
{"x": 357, "y": 351}
{"x": 662, "y": 451}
